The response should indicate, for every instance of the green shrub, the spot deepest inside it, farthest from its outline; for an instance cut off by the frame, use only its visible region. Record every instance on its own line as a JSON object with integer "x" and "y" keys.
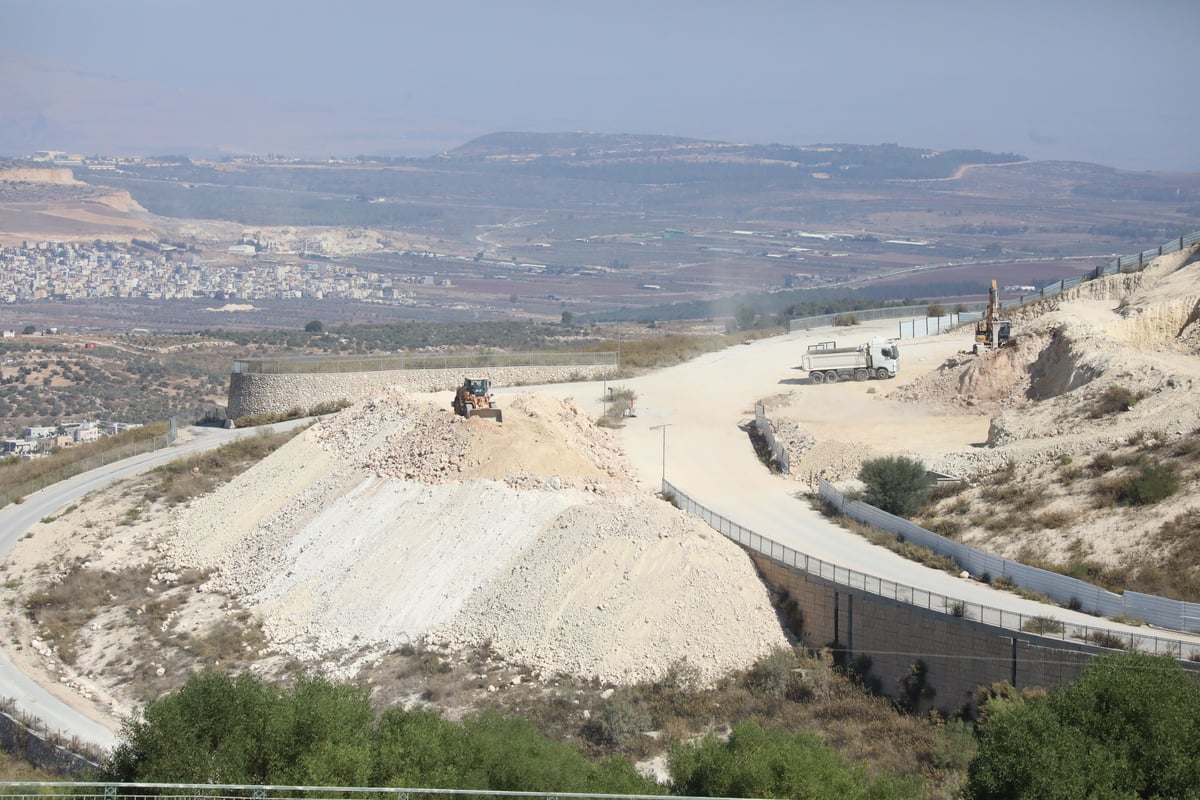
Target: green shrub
{"x": 772, "y": 674}
{"x": 894, "y": 484}
{"x": 1114, "y": 400}
{"x": 1153, "y": 483}
{"x": 1042, "y": 625}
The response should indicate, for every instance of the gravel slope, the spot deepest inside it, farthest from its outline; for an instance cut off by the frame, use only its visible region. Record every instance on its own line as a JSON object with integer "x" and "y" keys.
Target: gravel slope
{"x": 374, "y": 530}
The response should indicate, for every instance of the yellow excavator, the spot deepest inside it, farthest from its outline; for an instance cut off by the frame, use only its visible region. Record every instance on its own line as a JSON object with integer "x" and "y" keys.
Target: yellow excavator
{"x": 991, "y": 331}
{"x": 474, "y": 399}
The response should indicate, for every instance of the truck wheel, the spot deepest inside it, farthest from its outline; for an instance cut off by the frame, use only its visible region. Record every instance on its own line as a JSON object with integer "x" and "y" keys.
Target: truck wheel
{"x": 881, "y": 373}
{"x": 861, "y": 375}
{"x": 831, "y": 377}
{"x": 816, "y": 377}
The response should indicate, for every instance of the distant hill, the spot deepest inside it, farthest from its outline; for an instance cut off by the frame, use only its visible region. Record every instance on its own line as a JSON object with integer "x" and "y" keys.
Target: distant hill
{"x": 652, "y": 153}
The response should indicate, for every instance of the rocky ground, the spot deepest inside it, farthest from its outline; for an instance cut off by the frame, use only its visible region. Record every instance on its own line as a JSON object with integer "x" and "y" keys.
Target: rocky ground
{"x": 395, "y": 525}
{"x": 1043, "y": 399}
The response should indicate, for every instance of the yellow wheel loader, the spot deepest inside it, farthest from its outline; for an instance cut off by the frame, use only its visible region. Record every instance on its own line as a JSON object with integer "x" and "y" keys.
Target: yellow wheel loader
{"x": 474, "y": 399}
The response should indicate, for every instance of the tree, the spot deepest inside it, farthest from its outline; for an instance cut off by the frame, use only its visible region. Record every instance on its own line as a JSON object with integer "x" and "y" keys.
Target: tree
{"x": 567, "y": 318}
{"x": 29, "y": 330}
{"x": 314, "y": 326}
{"x": 745, "y": 316}
{"x": 895, "y": 484}
{"x": 935, "y": 310}
{"x": 765, "y": 763}
{"x": 1128, "y": 727}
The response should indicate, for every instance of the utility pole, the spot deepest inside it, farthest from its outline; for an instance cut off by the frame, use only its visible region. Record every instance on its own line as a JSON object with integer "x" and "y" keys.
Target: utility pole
{"x": 663, "y": 428}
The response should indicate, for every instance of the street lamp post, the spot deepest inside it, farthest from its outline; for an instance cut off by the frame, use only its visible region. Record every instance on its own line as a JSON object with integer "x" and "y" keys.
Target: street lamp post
{"x": 663, "y": 428}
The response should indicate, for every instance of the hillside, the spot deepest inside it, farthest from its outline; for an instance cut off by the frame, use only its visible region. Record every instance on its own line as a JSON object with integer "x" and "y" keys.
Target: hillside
{"x": 399, "y": 525}
{"x": 1091, "y": 462}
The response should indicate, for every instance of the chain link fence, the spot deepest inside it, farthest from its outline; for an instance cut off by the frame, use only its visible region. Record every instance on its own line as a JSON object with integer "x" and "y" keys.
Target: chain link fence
{"x": 1039, "y": 625}
{"x": 295, "y": 365}
{"x": 15, "y": 493}
{"x": 83, "y": 790}
{"x": 1130, "y": 263}
{"x": 1072, "y": 592}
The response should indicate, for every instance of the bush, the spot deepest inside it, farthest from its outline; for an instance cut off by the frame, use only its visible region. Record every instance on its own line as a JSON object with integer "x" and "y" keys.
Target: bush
{"x": 1114, "y": 400}
{"x": 1042, "y": 625}
{"x": 1125, "y": 728}
{"x": 772, "y": 674}
{"x": 935, "y": 310}
{"x": 894, "y": 484}
{"x": 1153, "y": 483}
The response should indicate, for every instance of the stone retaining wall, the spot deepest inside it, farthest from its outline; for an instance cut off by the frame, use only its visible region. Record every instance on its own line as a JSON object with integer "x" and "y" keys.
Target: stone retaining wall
{"x": 254, "y": 393}
{"x": 19, "y": 740}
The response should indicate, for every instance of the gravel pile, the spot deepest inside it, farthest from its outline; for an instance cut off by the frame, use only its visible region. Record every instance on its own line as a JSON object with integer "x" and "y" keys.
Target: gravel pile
{"x": 396, "y": 521}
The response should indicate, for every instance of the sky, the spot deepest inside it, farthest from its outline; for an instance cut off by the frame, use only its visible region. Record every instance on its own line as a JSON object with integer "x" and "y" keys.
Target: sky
{"x": 1106, "y": 81}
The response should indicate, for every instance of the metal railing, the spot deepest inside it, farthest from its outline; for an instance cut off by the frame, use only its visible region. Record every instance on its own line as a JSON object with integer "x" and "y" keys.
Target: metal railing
{"x": 291, "y": 365}
{"x": 202, "y": 791}
{"x": 1122, "y": 264}
{"x": 1044, "y": 626}
{"x": 1130, "y": 263}
{"x": 1160, "y": 611}
{"x": 9, "y": 494}
{"x": 865, "y": 315}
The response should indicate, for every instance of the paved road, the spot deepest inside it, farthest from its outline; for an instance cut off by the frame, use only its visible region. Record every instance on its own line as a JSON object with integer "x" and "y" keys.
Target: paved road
{"x": 704, "y": 452}
{"x": 16, "y": 520}
{"x": 709, "y": 458}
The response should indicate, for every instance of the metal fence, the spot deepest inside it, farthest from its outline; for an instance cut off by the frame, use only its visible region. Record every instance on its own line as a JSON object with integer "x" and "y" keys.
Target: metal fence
{"x": 778, "y": 451}
{"x": 9, "y": 494}
{"x": 83, "y": 790}
{"x": 1130, "y": 263}
{"x": 1160, "y": 611}
{"x": 928, "y": 326}
{"x": 1038, "y": 625}
{"x": 291, "y": 365}
{"x": 865, "y": 315}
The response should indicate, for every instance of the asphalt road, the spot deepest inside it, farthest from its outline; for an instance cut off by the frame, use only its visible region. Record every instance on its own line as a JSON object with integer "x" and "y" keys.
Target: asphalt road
{"x": 15, "y": 520}
{"x": 702, "y": 450}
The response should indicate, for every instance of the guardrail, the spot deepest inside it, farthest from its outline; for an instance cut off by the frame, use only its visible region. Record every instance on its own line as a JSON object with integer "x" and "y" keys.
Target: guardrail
{"x": 1044, "y": 626}
{"x": 291, "y": 365}
{"x": 83, "y": 790}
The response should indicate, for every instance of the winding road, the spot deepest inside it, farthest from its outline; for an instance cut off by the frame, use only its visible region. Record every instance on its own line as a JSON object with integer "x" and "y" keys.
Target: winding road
{"x": 702, "y": 449}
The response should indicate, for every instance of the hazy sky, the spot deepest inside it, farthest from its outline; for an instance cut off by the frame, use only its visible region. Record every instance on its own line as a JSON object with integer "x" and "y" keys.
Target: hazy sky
{"x": 1107, "y": 81}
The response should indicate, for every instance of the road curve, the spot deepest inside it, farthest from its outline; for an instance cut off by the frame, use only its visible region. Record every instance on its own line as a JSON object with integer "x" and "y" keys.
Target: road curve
{"x": 708, "y": 456}
{"x": 16, "y": 519}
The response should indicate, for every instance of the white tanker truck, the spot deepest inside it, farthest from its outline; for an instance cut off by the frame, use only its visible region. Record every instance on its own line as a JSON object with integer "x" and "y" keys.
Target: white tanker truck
{"x": 828, "y": 363}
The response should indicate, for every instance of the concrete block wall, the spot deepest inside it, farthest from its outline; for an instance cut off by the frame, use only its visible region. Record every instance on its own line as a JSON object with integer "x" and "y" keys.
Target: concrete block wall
{"x": 253, "y": 393}
{"x": 958, "y": 655}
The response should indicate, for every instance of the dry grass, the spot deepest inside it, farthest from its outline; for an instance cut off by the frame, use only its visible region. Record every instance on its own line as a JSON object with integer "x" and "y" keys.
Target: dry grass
{"x": 185, "y": 478}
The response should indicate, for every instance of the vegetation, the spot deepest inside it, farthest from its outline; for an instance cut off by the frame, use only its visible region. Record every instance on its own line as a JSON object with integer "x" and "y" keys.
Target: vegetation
{"x": 1128, "y": 727}
{"x": 754, "y": 762}
{"x": 318, "y": 733}
{"x": 895, "y": 484}
{"x": 185, "y": 478}
{"x": 1114, "y": 400}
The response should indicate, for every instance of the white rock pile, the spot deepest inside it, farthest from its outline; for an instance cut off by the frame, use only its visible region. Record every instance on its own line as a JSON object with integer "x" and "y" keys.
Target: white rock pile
{"x": 396, "y": 521}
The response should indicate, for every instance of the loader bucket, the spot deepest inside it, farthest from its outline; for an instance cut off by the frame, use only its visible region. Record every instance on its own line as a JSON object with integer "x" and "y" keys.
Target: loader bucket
{"x": 487, "y": 413}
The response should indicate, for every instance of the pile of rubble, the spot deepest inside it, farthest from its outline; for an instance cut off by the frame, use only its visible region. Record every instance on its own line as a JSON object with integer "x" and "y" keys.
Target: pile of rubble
{"x": 400, "y": 522}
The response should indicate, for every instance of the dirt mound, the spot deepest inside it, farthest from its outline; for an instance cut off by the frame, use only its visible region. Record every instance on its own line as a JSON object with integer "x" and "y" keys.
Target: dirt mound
{"x": 397, "y": 521}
